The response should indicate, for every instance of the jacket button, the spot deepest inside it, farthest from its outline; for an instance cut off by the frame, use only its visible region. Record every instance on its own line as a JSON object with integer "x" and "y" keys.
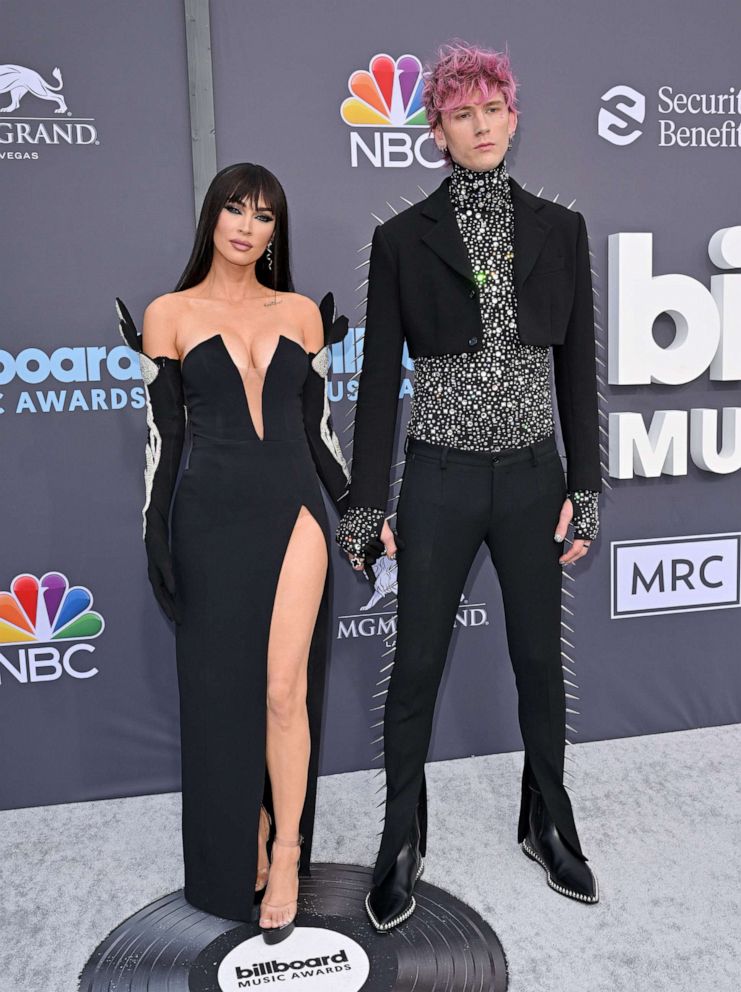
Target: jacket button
{"x": 473, "y": 342}
{"x": 472, "y": 293}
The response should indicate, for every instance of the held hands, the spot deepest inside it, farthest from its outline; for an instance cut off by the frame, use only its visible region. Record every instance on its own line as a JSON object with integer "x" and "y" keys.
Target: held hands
{"x": 387, "y": 539}
{"x": 580, "y": 547}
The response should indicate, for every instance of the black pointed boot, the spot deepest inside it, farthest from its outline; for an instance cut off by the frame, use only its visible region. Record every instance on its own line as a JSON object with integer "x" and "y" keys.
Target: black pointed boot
{"x": 392, "y": 902}
{"x": 566, "y": 873}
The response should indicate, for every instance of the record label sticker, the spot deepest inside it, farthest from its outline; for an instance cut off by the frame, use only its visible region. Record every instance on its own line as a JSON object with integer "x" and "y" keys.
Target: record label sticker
{"x": 310, "y": 958}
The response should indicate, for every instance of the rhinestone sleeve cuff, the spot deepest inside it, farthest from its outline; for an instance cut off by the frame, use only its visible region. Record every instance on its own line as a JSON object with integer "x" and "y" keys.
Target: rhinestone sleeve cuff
{"x": 586, "y": 514}
{"x": 359, "y": 525}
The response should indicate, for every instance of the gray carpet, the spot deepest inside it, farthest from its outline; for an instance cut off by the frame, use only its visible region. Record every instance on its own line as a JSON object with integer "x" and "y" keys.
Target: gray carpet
{"x": 660, "y": 818}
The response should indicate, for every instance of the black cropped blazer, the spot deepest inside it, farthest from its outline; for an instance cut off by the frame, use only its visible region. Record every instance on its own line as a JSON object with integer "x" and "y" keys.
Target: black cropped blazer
{"x": 422, "y": 289}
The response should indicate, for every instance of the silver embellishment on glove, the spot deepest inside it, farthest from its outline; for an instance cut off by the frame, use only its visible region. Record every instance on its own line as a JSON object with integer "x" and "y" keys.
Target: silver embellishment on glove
{"x": 149, "y": 369}
{"x": 152, "y": 457}
{"x": 320, "y": 364}
{"x": 153, "y": 451}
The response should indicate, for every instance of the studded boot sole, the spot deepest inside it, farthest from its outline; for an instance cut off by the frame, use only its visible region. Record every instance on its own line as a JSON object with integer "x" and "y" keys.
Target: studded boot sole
{"x": 569, "y": 893}
{"x": 404, "y": 915}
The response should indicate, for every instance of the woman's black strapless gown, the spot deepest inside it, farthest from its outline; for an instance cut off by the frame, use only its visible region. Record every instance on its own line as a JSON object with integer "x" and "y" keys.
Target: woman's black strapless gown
{"x": 235, "y": 508}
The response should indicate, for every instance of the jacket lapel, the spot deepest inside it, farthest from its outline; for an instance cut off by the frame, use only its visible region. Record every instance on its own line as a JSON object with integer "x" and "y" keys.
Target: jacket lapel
{"x": 531, "y": 232}
{"x": 444, "y": 237}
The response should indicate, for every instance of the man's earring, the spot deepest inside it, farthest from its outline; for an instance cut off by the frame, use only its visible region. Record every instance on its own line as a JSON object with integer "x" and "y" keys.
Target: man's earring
{"x": 269, "y": 253}
{"x": 442, "y": 149}
{"x": 511, "y": 139}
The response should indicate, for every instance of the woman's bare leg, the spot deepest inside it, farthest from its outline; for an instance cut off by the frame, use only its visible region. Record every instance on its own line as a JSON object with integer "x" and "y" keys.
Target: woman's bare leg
{"x": 297, "y": 600}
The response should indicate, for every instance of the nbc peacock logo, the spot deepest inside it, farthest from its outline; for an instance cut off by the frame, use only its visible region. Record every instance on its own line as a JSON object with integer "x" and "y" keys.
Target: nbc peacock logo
{"x": 387, "y": 97}
{"x": 46, "y": 611}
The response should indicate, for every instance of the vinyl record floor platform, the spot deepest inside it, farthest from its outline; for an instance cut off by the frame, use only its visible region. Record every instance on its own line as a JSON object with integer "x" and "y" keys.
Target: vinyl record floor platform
{"x": 659, "y": 817}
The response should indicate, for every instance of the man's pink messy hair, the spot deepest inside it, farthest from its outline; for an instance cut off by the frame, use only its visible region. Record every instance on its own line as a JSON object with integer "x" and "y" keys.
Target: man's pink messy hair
{"x": 462, "y": 71}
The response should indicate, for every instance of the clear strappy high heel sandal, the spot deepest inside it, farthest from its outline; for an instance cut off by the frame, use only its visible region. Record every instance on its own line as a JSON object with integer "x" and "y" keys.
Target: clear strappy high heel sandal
{"x": 274, "y": 935}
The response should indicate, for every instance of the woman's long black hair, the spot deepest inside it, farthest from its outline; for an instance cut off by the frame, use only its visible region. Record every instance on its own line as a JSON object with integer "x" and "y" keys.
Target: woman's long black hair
{"x": 255, "y": 186}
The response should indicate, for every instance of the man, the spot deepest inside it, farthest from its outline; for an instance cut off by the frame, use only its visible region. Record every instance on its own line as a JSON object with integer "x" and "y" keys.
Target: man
{"x": 482, "y": 279}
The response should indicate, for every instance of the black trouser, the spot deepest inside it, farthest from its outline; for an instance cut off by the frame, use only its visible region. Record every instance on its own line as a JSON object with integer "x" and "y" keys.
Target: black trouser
{"x": 451, "y": 501}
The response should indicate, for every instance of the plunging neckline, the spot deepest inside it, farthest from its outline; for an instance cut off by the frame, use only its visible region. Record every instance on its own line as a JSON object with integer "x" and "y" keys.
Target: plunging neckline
{"x": 265, "y": 368}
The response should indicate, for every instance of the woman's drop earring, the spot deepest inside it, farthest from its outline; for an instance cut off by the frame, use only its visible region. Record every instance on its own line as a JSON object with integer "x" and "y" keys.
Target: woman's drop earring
{"x": 269, "y": 253}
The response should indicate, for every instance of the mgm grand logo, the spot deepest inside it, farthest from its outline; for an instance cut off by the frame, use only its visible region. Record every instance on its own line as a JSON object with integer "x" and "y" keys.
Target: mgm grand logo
{"x": 370, "y": 622}
{"x": 20, "y": 135}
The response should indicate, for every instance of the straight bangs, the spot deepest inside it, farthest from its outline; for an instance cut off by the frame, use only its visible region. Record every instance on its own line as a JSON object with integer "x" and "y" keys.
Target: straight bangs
{"x": 256, "y": 187}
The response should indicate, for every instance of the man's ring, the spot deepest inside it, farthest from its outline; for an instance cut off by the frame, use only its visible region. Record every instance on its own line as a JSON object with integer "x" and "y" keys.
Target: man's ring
{"x": 356, "y": 562}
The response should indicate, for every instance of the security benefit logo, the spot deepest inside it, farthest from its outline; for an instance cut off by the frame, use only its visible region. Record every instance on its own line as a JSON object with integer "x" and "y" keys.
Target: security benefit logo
{"x": 45, "y": 629}
{"x": 32, "y": 123}
{"x": 674, "y": 575}
{"x": 623, "y": 108}
{"x": 683, "y": 119}
{"x": 707, "y": 338}
{"x": 386, "y": 102}
{"x": 69, "y": 380}
{"x": 311, "y": 958}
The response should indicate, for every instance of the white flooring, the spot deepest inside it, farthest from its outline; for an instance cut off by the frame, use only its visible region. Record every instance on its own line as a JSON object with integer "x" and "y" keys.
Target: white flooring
{"x": 659, "y": 817}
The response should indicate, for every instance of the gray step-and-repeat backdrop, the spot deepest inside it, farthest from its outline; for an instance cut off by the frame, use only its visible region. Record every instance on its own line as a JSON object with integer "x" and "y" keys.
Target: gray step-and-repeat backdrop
{"x": 630, "y": 114}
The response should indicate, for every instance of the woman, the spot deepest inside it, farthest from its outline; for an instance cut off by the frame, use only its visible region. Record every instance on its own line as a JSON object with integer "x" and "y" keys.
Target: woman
{"x": 245, "y": 580}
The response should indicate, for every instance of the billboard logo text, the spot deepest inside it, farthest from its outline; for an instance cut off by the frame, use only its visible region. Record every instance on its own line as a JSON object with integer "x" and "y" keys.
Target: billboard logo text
{"x": 707, "y": 337}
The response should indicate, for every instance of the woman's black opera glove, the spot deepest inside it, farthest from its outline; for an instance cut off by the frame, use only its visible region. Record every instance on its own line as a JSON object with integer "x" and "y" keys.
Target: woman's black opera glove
{"x": 163, "y": 387}
{"x": 323, "y": 442}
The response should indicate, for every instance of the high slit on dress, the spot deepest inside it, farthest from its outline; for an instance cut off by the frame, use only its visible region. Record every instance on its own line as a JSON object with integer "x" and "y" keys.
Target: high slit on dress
{"x": 233, "y": 515}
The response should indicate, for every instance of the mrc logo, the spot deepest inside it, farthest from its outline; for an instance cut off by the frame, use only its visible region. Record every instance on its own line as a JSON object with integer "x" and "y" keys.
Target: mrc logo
{"x": 386, "y": 100}
{"x": 46, "y": 611}
{"x": 675, "y": 575}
